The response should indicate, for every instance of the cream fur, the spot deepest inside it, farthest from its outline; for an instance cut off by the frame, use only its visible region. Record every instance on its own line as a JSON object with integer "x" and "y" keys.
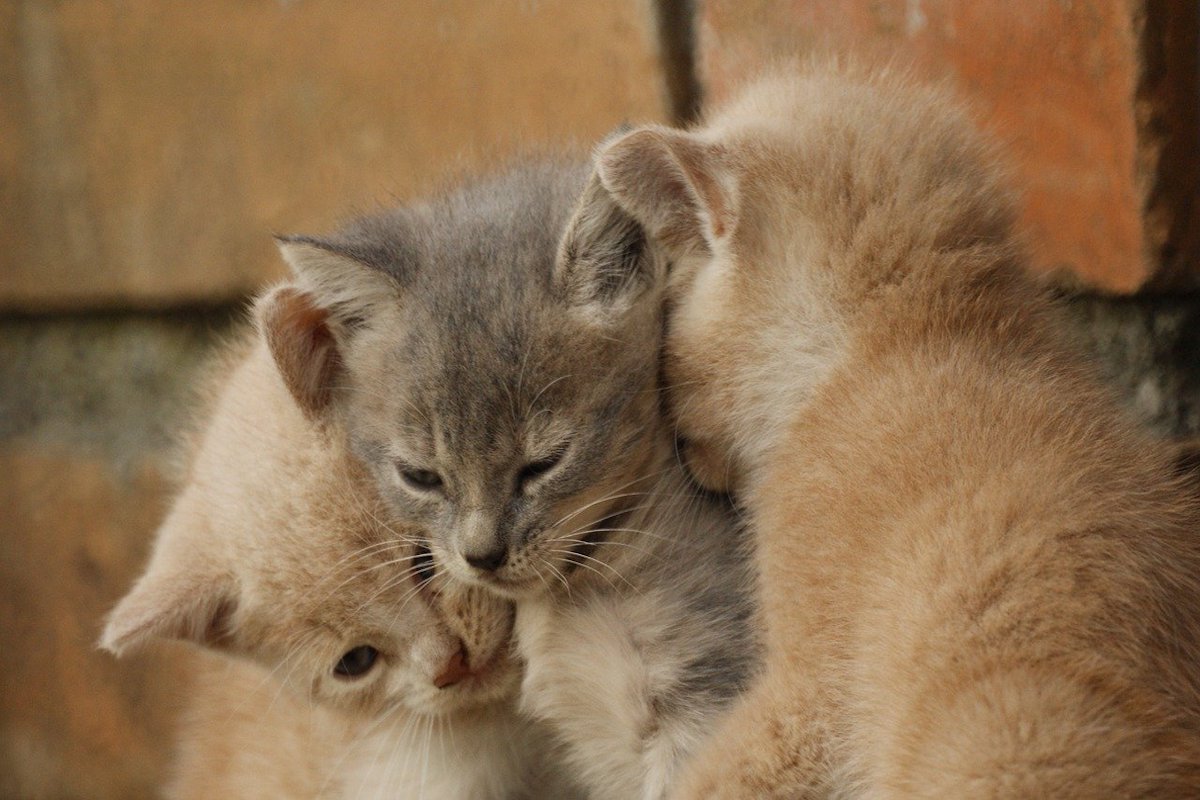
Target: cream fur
{"x": 277, "y": 551}
{"x": 507, "y": 400}
{"x": 979, "y": 577}
{"x": 245, "y": 736}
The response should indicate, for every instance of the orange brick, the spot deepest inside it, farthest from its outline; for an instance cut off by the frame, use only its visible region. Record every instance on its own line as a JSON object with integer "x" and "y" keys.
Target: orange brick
{"x": 74, "y": 722}
{"x": 148, "y": 150}
{"x": 1103, "y": 148}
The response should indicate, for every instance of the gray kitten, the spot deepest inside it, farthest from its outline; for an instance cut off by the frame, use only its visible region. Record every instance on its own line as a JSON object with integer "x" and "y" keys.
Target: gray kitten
{"x": 495, "y": 357}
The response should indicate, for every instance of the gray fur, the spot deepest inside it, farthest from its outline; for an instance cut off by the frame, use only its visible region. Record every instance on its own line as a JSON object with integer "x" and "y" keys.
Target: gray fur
{"x": 655, "y": 640}
{"x": 497, "y": 327}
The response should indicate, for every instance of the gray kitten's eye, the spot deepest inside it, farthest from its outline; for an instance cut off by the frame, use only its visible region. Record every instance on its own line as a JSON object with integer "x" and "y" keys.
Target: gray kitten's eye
{"x": 422, "y": 480}
{"x": 423, "y": 567}
{"x": 535, "y": 469}
{"x": 356, "y": 662}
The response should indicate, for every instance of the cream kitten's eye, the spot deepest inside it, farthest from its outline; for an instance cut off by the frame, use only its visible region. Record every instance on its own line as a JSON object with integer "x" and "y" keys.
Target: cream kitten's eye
{"x": 356, "y": 662}
{"x": 422, "y": 480}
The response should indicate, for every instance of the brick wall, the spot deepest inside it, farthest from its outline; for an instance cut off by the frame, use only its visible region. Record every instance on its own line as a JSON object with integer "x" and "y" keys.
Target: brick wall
{"x": 148, "y": 150}
{"x": 1097, "y": 106}
{"x": 1095, "y": 102}
{"x": 147, "y": 153}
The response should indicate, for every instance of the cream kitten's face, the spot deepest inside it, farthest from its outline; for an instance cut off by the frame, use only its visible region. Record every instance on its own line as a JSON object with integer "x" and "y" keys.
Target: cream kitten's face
{"x": 772, "y": 239}
{"x": 372, "y": 629}
{"x": 279, "y": 550}
{"x": 499, "y": 382}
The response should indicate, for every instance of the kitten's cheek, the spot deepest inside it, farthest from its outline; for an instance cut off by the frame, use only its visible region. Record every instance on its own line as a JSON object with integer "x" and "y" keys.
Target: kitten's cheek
{"x": 709, "y": 466}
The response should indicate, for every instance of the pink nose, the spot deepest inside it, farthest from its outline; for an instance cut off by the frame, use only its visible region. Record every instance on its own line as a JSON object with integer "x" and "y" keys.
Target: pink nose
{"x": 455, "y": 671}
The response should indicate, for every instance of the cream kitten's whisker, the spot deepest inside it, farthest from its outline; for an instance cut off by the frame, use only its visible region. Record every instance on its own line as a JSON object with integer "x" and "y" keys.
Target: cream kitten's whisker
{"x": 362, "y": 573}
{"x": 347, "y": 562}
{"x": 554, "y": 343}
{"x": 396, "y": 580}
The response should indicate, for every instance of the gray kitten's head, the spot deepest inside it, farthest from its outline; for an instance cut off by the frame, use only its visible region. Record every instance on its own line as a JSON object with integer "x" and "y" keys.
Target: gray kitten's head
{"x": 495, "y": 367}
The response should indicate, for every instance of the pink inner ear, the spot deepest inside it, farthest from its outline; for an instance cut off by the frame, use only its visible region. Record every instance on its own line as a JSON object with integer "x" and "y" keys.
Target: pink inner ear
{"x": 665, "y": 179}
{"x": 694, "y": 161}
{"x": 304, "y": 348}
{"x": 170, "y": 604}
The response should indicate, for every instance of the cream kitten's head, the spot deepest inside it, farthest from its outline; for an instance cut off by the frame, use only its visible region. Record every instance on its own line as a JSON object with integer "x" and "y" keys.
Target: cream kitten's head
{"x": 499, "y": 381}
{"x": 779, "y": 219}
{"x": 279, "y": 550}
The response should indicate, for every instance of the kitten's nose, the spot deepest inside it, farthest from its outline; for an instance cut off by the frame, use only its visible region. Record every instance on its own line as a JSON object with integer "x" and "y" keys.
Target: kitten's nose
{"x": 489, "y": 560}
{"x": 455, "y": 671}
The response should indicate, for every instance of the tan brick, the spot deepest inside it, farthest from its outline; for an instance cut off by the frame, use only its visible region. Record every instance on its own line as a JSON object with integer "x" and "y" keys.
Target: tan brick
{"x": 89, "y": 409}
{"x": 1102, "y": 146}
{"x": 75, "y": 723}
{"x": 147, "y": 150}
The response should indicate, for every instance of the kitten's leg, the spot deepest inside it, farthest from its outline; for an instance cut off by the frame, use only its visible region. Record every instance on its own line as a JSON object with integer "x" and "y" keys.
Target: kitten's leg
{"x": 770, "y": 746}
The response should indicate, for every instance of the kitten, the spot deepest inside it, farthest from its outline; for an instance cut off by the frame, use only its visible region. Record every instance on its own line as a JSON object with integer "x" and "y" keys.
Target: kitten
{"x": 504, "y": 392}
{"x": 277, "y": 551}
{"x": 978, "y": 578}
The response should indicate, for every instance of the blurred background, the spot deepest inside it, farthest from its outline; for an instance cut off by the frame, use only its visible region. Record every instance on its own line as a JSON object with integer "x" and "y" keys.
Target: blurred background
{"x": 149, "y": 149}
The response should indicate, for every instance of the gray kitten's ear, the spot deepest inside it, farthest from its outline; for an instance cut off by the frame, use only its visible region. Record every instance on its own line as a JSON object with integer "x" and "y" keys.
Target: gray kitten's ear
{"x": 349, "y": 281}
{"x": 677, "y": 185}
{"x": 603, "y": 262}
{"x": 175, "y": 599}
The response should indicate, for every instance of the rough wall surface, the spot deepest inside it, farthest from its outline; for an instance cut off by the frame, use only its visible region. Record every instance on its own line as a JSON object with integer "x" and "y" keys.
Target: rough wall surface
{"x": 89, "y": 411}
{"x": 149, "y": 148}
{"x": 147, "y": 153}
{"x": 1095, "y": 101}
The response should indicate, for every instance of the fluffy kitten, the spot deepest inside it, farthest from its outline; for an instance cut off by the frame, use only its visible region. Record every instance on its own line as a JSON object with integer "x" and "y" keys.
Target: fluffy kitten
{"x": 504, "y": 391}
{"x": 277, "y": 551}
{"x": 978, "y": 577}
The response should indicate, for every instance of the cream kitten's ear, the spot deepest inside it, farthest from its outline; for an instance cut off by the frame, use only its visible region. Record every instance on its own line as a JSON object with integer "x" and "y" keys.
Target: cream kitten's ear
{"x": 172, "y": 601}
{"x": 675, "y": 184}
{"x": 298, "y": 334}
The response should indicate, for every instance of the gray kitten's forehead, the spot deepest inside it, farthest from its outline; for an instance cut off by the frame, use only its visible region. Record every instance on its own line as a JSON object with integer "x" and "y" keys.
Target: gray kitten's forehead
{"x": 486, "y": 340}
{"x": 498, "y": 385}
{"x": 487, "y": 362}
{"x": 496, "y": 235}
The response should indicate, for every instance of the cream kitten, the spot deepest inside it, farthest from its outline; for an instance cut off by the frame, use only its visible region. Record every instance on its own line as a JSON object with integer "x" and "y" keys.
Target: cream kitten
{"x": 978, "y": 578}
{"x": 503, "y": 388}
{"x": 400, "y": 684}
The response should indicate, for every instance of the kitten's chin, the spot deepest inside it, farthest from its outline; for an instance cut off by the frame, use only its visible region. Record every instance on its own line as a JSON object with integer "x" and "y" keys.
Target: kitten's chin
{"x": 508, "y": 587}
{"x": 512, "y": 589}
